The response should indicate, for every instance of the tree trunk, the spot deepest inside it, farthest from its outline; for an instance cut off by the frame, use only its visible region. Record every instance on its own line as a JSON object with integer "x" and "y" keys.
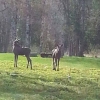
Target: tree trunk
{"x": 28, "y": 17}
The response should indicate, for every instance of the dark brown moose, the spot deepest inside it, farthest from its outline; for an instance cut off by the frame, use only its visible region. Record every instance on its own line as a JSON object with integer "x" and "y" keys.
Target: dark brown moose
{"x": 56, "y": 55}
{"x": 19, "y": 50}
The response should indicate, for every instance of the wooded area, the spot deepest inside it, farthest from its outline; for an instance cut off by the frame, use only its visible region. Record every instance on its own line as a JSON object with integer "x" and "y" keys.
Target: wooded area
{"x": 46, "y": 23}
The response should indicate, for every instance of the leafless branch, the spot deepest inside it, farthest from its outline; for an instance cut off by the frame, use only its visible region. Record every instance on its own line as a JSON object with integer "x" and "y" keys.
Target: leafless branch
{"x": 3, "y": 9}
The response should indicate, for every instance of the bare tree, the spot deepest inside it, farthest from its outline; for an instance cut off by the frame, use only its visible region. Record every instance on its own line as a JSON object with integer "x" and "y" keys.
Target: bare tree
{"x": 28, "y": 17}
{"x": 52, "y": 23}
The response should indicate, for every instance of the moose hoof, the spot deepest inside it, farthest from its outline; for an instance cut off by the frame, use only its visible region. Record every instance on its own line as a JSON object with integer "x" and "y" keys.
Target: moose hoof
{"x": 54, "y": 69}
{"x": 57, "y": 69}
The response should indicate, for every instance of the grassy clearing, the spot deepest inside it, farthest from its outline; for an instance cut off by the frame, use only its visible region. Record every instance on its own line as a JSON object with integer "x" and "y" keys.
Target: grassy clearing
{"x": 78, "y": 79}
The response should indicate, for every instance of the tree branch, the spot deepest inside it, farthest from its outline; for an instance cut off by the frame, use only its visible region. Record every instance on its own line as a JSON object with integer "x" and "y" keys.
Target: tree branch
{"x": 3, "y": 9}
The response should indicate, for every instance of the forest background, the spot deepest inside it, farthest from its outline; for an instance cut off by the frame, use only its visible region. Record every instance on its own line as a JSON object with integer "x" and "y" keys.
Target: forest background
{"x": 42, "y": 24}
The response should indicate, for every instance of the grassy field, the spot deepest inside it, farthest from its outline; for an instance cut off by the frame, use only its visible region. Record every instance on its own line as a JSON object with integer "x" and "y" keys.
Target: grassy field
{"x": 78, "y": 79}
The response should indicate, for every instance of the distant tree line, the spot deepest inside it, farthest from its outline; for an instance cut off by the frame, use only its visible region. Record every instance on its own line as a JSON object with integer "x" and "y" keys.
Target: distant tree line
{"x": 46, "y": 23}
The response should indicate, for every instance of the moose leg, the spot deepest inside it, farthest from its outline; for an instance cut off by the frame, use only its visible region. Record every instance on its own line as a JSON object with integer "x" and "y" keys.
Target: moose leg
{"x": 54, "y": 64}
{"x": 15, "y": 60}
{"x": 58, "y": 64}
{"x": 29, "y": 61}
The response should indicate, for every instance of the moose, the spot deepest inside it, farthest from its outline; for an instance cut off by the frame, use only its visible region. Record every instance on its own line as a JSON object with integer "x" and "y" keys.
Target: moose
{"x": 19, "y": 50}
{"x": 56, "y": 55}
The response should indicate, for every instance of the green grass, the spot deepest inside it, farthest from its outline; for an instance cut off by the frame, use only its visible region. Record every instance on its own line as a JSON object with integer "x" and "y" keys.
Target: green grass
{"x": 78, "y": 79}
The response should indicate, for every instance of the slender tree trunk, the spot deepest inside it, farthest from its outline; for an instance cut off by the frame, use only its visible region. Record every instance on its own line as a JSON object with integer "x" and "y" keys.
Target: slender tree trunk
{"x": 13, "y": 29}
{"x": 28, "y": 23}
{"x": 82, "y": 9}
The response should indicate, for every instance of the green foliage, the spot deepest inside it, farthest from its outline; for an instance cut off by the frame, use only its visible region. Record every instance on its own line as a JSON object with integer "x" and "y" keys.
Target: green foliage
{"x": 78, "y": 79}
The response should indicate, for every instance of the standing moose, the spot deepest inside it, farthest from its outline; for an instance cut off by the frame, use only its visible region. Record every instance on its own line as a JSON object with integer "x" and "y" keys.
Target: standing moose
{"x": 19, "y": 50}
{"x": 56, "y": 55}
